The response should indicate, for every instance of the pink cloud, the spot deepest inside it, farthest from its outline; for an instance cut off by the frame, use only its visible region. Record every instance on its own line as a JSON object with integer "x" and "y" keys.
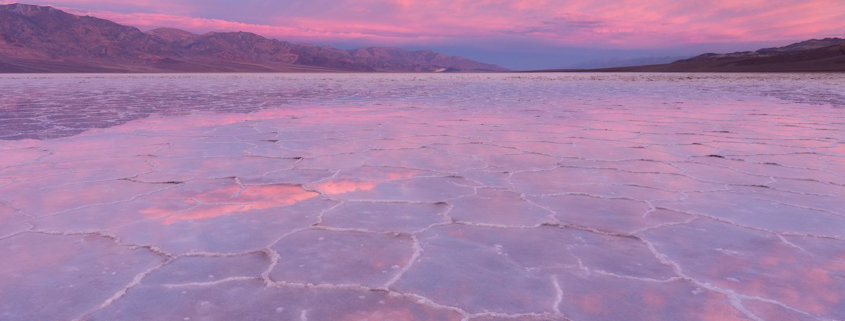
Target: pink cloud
{"x": 594, "y": 23}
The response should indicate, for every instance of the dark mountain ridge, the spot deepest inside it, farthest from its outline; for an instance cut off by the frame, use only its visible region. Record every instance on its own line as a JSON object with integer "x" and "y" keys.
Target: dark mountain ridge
{"x": 45, "y": 39}
{"x": 792, "y": 49}
{"x": 815, "y": 55}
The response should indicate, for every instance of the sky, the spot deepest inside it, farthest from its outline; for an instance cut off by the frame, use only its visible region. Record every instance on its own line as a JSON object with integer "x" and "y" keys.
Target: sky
{"x": 517, "y": 34}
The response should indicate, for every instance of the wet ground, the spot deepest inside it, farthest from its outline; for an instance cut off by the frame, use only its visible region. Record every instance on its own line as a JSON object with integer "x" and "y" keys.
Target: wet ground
{"x": 422, "y": 197}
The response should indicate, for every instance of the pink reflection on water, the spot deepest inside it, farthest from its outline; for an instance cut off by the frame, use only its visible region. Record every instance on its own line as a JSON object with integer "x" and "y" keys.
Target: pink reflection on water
{"x": 233, "y": 199}
{"x": 230, "y": 200}
{"x": 344, "y": 186}
{"x": 374, "y": 177}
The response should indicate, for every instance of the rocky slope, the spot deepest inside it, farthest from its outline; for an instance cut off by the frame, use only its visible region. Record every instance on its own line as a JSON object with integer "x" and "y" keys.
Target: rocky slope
{"x": 816, "y": 55}
{"x": 45, "y": 39}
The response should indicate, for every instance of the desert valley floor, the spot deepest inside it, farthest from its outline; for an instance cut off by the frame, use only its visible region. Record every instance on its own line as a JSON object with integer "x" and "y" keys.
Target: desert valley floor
{"x": 422, "y": 197}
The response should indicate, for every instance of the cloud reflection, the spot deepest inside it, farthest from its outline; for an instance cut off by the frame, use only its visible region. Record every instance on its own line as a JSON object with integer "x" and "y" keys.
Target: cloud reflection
{"x": 230, "y": 200}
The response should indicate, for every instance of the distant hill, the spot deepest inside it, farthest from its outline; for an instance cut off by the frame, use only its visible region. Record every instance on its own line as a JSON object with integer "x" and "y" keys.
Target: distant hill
{"x": 814, "y": 55}
{"x": 45, "y": 39}
{"x": 622, "y": 62}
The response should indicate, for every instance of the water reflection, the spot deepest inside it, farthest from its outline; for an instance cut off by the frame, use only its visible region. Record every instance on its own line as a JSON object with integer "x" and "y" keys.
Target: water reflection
{"x": 232, "y": 200}
{"x": 36, "y": 106}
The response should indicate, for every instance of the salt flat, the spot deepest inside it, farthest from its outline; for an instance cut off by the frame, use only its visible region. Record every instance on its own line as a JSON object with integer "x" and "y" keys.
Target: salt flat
{"x": 422, "y": 197}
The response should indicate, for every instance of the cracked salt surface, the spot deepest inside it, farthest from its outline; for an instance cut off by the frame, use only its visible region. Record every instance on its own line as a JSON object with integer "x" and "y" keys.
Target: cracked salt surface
{"x": 422, "y": 197}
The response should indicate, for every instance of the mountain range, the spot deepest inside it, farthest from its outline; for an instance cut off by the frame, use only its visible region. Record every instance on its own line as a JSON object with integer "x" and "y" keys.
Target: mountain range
{"x": 45, "y": 39}
{"x": 815, "y": 55}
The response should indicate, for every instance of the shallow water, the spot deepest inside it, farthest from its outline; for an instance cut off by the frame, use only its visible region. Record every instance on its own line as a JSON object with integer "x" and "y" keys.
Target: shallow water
{"x": 422, "y": 197}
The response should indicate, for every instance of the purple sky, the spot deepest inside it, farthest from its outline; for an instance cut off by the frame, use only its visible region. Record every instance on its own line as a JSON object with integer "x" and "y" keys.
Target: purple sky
{"x": 516, "y": 34}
